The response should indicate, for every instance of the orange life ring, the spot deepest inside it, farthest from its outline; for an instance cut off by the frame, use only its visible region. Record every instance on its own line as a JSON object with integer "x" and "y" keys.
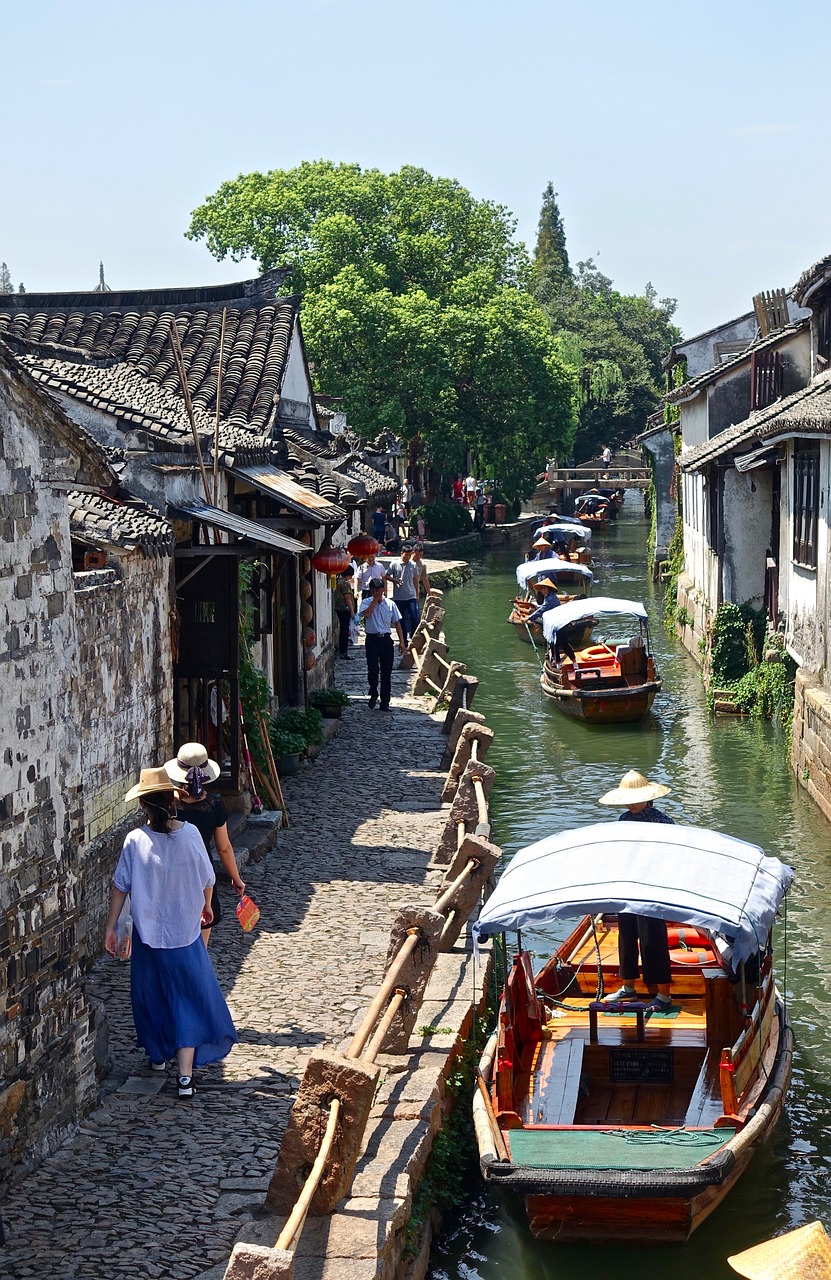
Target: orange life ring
{"x": 704, "y": 958}
{"x": 687, "y": 936}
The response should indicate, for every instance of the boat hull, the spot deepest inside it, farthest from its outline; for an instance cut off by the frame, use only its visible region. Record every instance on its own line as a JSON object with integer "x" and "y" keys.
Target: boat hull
{"x": 646, "y": 1207}
{"x": 602, "y": 706}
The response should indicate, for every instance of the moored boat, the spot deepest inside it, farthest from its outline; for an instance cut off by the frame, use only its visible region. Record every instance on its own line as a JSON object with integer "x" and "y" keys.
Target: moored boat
{"x": 614, "y": 1122}
{"x": 608, "y": 682}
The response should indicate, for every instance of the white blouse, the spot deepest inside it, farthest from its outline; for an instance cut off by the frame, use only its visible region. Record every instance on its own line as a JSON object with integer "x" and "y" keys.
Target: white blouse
{"x": 166, "y": 877}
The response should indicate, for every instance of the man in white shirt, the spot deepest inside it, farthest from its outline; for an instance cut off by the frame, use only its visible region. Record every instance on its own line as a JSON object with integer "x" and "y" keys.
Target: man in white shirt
{"x": 371, "y": 569}
{"x": 404, "y": 576}
{"x": 470, "y": 490}
{"x": 380, "y": 615}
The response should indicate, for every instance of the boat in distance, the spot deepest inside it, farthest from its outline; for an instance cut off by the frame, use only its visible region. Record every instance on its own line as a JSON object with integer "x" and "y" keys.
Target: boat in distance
{"x": 559, "y": 571}
{"x": 603, "y": 683}
{"x": 611, "y": 1121}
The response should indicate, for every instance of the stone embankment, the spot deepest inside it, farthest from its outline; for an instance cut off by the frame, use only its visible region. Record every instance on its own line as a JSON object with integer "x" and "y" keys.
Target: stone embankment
{"x": 153, "y": 1187}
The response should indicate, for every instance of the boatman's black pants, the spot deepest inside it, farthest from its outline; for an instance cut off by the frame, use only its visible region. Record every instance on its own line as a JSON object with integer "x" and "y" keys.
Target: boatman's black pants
{"x": 652, "y": 937}
{"x": 379, "y": 656}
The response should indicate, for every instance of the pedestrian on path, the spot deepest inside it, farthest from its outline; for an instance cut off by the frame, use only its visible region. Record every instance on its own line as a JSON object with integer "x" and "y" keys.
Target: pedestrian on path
{"x": 380, "y": 616}
{"x": 422, "y": 580}
{"x": 372, "y": 569}
{"x": 344, "y": 608}
{"x": 404, "y": 576}
{"x": 636, "y": 795}
{"x": 191, "y": 772}
{"x": 178, "y": 1008}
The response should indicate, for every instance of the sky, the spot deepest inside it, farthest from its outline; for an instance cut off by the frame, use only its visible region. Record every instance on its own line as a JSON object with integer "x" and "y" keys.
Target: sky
{"x": 687, "y": 141}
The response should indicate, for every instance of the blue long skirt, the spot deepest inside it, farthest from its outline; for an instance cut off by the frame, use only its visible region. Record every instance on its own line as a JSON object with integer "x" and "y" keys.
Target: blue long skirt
{"x": 177, "y": 1003}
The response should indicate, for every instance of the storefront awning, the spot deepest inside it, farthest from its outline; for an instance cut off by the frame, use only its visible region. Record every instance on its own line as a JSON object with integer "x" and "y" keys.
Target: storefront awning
{"x": 251, "y": 530}
{"x": 280, "y": 486}
{"x": 756, "y": 458}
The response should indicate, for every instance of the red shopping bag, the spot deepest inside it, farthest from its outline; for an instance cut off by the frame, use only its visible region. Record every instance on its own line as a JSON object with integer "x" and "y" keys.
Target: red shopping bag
{"x": 248, "y": 913}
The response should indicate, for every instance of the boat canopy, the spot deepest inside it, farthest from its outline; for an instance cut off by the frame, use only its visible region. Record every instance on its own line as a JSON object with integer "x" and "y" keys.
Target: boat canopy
{"x": 580, "y": 610}
{"x": 565, "y": 526}
{"x": 688, "y": 874}
{"x": 552, "y": 564}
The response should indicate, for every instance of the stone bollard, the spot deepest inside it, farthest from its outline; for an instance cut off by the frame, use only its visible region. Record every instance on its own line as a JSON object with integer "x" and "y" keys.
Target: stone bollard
{"x": 465, "y": 806}
{"x": 327, "y": 1075}
{"x": 465, "y": 690}
{"x": 429, "y": 626}
{"x": 454, "y": 671}
{"x": 416, "y": 973}
{"x": 464, "y": 900}
{"x": 483, "y": 737}
{"x": 432, "y": 667}
{"x": 255, "y": 1262}
{"x": 462, "y": 718}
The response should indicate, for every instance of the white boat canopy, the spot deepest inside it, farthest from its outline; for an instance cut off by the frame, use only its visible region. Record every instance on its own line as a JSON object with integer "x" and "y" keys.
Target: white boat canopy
{"x": 552, "y": 564}
{"x": 580, "y": 610}
{"x": 688, "y": 874}
{"x": 565, "y": 526}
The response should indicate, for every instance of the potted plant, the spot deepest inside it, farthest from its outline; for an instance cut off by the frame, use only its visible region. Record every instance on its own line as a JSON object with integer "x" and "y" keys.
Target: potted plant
{"x": 287, "y": 748}
{"x": 330, "y": 702}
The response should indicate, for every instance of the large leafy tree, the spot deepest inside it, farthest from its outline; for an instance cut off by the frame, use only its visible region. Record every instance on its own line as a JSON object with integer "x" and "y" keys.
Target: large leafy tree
{"x": 614, "y": 341}
{"x": 416, "y": 307}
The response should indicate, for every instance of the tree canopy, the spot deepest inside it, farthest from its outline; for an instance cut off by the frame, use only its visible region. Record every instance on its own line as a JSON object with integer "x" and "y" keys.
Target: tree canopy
{"x": 614, "y": 341}
{"x": 417, "y": 308}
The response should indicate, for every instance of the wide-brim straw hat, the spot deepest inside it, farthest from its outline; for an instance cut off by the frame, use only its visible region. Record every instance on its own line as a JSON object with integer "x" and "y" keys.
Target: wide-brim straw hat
{"x": 150, "y": 780}
{"x": 541, "y": 542}
{"x": 191, "y": 755}
{"x": 545, "y": 582}
{"x": 634, "y": 789}
{"x": 804, "y": 1254}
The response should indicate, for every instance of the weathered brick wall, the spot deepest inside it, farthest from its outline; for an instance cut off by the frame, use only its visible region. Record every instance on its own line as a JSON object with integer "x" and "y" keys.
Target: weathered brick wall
{"x": 47, "y": 1074}
{"x": 811, "y": 739}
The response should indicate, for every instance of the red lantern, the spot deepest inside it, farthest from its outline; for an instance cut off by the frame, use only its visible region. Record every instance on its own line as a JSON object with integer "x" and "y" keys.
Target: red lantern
{"x": 362, "y": 546}
{"x": 308, "y": 638}
{"x": 330, "y": 559}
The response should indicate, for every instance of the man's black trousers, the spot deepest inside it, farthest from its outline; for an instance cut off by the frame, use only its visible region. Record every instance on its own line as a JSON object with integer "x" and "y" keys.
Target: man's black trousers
{"x": 379, "y": 655}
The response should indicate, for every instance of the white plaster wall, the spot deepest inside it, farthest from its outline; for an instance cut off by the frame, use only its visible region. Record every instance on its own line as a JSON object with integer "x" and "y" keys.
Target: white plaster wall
{"x": 295, "y": 380}
{"x": 694, "y": 422}
{"x": 747, "y": 524}
{"x": 803, "y": 593}
{"x": 699, "y": 351}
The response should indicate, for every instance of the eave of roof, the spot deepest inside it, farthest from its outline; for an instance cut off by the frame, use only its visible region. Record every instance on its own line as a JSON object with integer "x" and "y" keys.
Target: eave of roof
{"x": 691, "y": 389}
{"x": 668, "y": 359}
{"x": 815, "y": 275}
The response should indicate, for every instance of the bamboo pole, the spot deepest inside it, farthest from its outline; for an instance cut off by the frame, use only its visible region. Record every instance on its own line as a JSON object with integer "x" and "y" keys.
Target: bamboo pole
{"x": 291, "y": 1231}
{"x": 441, "y": 904}
{"x": 390, "y": 978}
{"x": 218, "y": 395}
{"x": 374, "y": 1047}
{"x": 183, "y": 379}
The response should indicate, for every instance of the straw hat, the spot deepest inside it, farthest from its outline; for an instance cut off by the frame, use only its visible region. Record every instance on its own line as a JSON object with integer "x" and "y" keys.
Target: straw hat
{"x": 150, "y": 780}
{"x": 545, "y": 582}
{"x": 541, "y": 542}
{"x": 634, "y": 789}
{"x": 191, "y": 755}
{"x": 803, "y": 1254}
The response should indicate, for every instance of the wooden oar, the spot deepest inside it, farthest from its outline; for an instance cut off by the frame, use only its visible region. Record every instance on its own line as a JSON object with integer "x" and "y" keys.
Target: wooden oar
{"x": 534, "y": 646}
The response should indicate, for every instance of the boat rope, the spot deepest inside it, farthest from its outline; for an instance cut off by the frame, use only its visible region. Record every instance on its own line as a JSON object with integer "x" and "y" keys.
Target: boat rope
{"x": 601, "y": 990}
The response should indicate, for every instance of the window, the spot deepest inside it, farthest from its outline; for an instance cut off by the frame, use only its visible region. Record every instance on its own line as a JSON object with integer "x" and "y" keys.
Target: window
{"x": 805, "y": 504}
{"x": 822, "y": 323}
{"x": 765, "y": 378}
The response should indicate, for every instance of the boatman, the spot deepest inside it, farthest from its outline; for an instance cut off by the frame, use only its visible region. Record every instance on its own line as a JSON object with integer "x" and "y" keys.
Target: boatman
{"x": 636, "y": 795}
{"x": 380, "y": 616}
{"x": 550, "y": 599}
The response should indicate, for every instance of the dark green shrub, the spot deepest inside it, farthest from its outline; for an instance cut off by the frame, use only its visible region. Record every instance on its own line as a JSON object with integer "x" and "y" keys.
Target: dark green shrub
{"x": 445, "y": 519}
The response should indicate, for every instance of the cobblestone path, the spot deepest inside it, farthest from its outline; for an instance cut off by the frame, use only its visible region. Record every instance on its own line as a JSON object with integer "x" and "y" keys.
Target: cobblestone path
{"x": 151, "y": 1186}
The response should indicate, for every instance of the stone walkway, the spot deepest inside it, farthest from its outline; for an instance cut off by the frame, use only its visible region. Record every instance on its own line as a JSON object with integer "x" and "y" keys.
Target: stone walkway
{"x": 151, "y": 1186}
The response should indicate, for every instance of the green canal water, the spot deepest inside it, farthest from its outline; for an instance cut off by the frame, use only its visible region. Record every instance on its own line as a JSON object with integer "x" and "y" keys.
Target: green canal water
{"x": 729, "y": 774}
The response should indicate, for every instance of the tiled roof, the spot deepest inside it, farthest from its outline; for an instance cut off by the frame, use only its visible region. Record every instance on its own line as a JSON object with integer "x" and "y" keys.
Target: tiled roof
{"x": 105, "y": 522}
{"x": 691, "y": 388}
{"x": 674, "y": 352}
{"x": 113, "y": 352}
{"x": 811, "y": 277}
{"x": 805, "y": 412}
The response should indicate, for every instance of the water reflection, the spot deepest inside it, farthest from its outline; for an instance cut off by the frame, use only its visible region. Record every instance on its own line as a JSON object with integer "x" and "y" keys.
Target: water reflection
{"x": 730, "y": 774}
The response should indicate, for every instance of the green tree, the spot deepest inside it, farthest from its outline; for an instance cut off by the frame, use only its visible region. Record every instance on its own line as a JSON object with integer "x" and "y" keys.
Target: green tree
{"x": 552, "y": 270}
{"x": 6, "y": 285}
{"x": 416, "y": 308}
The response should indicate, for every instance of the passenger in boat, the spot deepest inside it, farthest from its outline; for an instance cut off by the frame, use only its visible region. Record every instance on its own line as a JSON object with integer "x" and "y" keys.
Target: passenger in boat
{"x": 547, "y": 597}
{"x": 636, "y": 794}
{"x": 560, "y": 548}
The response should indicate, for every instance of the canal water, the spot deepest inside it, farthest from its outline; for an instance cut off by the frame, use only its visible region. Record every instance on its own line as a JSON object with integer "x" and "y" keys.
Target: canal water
{"x": 729, "y": 774}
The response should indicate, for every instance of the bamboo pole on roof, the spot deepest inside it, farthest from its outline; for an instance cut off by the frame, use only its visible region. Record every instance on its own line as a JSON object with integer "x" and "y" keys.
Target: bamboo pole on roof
{"x": 183, "y": 379}
{"x": 218, "y": 400}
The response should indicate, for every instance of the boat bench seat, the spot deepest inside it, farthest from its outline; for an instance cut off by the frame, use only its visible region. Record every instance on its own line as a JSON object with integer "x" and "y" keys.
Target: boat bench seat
{"x": 558, "y": 1103}
{"x": 705, "y": 1106}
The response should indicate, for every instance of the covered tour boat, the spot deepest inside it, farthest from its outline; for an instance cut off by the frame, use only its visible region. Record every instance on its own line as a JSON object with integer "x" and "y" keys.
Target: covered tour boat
{"x": 593, "y": 510}
{"x": 614, "y": 1122}
{"x": 609, "y": 682}
{"x": 572, "y": 533}
{"x": 563, "y": 573}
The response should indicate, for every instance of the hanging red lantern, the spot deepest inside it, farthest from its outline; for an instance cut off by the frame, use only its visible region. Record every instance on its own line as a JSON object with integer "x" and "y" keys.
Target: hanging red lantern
{"x": 308, "y": 638}
{"x": 362, "y": 546}
{"x": 330, "y": 560}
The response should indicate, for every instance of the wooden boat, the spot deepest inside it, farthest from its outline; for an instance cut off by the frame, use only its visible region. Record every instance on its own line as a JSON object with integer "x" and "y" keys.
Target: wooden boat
{"x": 607, "y": 683}
{"x": 614, "y": 1124}
{"x": 560, "y": 571}
{"x": 572, "y": 532}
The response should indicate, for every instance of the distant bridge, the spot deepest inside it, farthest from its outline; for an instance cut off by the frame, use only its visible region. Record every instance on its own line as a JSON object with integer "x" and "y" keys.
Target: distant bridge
{"x": 579, "y": 479}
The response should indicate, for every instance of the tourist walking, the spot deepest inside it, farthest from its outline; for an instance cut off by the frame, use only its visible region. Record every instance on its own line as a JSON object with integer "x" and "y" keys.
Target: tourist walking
{"x": 371, "y": 569}
{"x": 380, "y": 616}
{"x": 422, "y": 581}
{"x": 470, "y": 490}
{"x": 479, "y": 510}
{"x": 636, "y": 794}
{"x": 344, "y": 599}
{"x": 191, "y": 772}
{"x": 178, "y": 1008}
{"x": 404, "y": 576}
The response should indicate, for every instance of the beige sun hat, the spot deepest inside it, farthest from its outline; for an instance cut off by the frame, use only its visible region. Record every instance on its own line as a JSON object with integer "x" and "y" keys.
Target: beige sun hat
{"x": 803, "y": 1254}
{"x": 545, "y": 582}
{"x": 634, "y": 789}
{"x": 191, "y": 755}
{"x": 541, "y": 542}
{"x": 150, "y": 780}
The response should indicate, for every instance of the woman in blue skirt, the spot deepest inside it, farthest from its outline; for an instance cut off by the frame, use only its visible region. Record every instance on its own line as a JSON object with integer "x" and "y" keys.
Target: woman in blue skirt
{"x": 178, "y": 1007}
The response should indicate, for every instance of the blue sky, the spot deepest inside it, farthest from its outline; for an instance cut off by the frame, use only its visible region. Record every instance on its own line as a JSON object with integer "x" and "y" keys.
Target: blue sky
{"x": 687, "y": 141}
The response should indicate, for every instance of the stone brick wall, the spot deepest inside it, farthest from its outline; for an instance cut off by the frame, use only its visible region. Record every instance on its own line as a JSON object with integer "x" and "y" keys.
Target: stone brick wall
{"x": 47, "y": 1074}
{"x": 811, "y": 739}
